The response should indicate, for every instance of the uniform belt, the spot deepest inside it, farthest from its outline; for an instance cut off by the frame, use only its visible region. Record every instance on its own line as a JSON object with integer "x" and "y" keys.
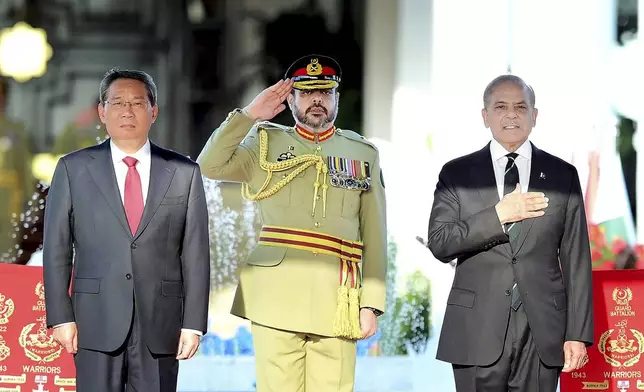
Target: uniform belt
{"x": 346, "y": 323}
{"x": 312, "y": 241}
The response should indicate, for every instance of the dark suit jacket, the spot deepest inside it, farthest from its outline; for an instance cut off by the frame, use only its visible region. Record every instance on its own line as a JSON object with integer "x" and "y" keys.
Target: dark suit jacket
{"x": 165, "y": 265}
{"x": 552, "y": 265}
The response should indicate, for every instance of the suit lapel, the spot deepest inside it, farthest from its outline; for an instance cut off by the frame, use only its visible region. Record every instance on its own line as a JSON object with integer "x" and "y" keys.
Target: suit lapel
{"x": 535, "y": 185}
{"x": 161, "y": 173}
{"x": 101, "y": 170}
{"x": 485, "y": 181}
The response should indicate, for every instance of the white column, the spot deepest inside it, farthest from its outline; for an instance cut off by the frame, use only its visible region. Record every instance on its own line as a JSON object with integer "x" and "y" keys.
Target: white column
{"x": 379, "y": 67}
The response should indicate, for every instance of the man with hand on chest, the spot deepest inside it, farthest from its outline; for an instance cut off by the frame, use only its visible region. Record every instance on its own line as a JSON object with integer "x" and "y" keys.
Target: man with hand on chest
{"x": 315, "y": 283}
{"x": 520, "y": 310}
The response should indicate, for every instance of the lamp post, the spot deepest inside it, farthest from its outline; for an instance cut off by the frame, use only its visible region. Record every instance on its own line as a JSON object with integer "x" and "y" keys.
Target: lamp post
{"x": 24, "y": 52}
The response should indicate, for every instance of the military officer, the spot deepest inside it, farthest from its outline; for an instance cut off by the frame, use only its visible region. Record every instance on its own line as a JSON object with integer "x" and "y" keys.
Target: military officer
{"x": 315, "y": 283}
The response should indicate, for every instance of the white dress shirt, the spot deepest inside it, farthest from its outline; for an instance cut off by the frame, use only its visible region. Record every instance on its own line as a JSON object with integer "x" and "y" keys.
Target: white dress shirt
{"x": 143, "y": 165}
{"x": 523, "y": 161}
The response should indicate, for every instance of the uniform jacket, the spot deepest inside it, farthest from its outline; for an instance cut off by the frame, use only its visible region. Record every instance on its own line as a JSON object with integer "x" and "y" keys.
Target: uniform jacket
{"x": 295, "y": 289}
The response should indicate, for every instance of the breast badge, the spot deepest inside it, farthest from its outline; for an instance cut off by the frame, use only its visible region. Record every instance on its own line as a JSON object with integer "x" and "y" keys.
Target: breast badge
{"x": 6, "y": 309}
{"x": 349, "y": 173}
{"x": 285, "y": 156}
{"x": 39, "y": 346}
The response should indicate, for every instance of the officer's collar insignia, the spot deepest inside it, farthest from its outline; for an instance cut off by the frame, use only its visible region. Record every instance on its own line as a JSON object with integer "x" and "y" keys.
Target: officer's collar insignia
{"x": 308, "y": 135}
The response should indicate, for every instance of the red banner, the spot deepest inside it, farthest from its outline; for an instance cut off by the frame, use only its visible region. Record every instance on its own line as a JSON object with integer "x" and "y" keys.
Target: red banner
{"x": 30, "y": 360}
{"x": 615, "y": 360}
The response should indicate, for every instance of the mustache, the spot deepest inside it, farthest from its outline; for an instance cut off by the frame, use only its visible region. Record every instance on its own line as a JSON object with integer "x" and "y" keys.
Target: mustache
{"x": 316, "y": 106}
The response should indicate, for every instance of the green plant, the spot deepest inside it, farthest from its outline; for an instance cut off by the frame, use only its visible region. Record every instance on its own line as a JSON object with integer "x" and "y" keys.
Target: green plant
{"x": 413, "y": 312}
{"x": 407, "y": 322}
{"x": 388, "y": 324}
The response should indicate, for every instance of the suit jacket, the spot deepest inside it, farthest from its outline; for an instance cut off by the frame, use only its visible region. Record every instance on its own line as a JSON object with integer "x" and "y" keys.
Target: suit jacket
{"x": 165, "y": 265}
{"x": 551, "y": 264}
{"x": 296, "y": 289}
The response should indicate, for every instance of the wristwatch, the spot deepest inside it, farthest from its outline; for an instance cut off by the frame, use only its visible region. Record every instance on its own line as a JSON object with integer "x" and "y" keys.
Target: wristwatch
{"x": 374, "y": 310}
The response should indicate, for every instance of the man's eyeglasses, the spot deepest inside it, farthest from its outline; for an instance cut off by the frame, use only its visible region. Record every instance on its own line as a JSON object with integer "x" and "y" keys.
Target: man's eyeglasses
{"x": 135, "y": 105}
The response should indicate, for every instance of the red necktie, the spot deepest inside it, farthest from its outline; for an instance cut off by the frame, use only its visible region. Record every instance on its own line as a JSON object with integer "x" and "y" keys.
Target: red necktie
{"x": 133, "y": 194}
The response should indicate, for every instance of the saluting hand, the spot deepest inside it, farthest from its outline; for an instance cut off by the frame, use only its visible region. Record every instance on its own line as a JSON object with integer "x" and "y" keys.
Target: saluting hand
{"x": 268, "y": 103}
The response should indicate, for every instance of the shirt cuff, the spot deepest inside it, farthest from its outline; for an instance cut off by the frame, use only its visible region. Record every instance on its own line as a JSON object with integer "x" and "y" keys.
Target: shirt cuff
{"x": 198, "y": 333}
{"x": 375, "y": 311}
{"x": 60, "y": 325}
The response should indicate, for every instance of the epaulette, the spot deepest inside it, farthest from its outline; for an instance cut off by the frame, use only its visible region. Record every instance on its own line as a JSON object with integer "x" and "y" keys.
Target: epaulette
{"x": 355, "y": 136}
{"x": 271, "y": 125}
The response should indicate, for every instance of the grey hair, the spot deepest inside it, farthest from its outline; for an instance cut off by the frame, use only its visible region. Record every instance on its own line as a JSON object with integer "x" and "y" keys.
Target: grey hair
{"x": 499, "y": 80}
{"x": 115, "y": 74}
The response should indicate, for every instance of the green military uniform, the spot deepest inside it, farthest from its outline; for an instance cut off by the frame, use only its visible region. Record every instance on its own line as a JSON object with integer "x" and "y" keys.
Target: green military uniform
{"x": 321, "y": 254}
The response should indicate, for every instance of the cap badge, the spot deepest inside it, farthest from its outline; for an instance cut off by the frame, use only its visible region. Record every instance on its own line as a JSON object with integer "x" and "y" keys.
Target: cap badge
{"x": 314, "y": 68}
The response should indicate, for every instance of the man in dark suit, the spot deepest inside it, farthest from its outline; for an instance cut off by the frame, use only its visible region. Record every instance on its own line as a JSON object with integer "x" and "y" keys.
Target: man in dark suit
{"x": 520, "y": 309}
{"x": 133, "y": 218}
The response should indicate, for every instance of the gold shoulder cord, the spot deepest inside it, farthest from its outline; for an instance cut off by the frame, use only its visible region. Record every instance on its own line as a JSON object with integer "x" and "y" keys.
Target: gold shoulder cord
{"x": 301, "y": 163}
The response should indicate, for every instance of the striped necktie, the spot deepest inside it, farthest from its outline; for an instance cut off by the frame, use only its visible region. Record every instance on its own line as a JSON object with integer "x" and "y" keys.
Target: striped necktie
{"x": 511, "y": 181}
{"x": 514, "y": 228}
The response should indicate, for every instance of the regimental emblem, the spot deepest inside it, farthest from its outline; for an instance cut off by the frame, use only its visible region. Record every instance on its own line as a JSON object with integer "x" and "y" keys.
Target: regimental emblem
{"x": 623, "y": 349}
{"x": 5, "y": 351}
{"x": 6, "y": 309}
{"x": 285, "y": 156}
{"x": 314, "y": 68}
{"x": 622, "y": 298}
{"x": 40, "y": 291}
{"x": 39, "y": 346}
{"x": 349, "y": 173}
